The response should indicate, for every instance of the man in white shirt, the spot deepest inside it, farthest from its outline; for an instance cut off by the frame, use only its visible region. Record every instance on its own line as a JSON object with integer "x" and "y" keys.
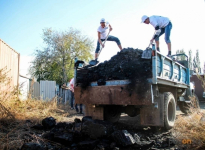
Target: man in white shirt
{"x": 103, "y": 30}
{"x": 162, "y": 25}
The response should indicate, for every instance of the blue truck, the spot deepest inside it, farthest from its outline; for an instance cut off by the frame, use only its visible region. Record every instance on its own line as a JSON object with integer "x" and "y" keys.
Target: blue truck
{"x": 168, "y": 87}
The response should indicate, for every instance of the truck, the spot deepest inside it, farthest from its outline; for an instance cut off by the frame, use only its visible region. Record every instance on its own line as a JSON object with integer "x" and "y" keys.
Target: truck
{"x": 168, "y": 86}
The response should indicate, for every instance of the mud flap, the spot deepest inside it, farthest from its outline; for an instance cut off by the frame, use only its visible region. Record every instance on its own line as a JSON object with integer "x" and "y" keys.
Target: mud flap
{"x": 151, "y": 115}
{"x": 94, "y": 112}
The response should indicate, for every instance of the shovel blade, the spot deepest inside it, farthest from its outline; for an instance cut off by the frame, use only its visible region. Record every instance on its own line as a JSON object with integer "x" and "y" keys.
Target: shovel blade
{"x": 93, "y": 62}
{"x": 147, "y": 54}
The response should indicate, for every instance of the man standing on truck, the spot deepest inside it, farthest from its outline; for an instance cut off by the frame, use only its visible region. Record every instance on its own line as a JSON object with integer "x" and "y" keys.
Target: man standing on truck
{"x": 162, "y": 25}
{"x": 103, "y": 30}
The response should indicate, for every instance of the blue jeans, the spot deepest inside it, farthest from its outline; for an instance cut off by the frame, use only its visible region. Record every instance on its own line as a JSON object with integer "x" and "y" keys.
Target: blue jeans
{"x": 110, "y": 38}
{"x": 167, "y": 31}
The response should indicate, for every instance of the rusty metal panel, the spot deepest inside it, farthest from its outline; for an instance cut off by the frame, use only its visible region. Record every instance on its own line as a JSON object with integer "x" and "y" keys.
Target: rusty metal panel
{"x": 9, "y": 59}
{"x": 111, "y": 95}
{"x": 95, "y": 112}
{"x": 152, "y": 116}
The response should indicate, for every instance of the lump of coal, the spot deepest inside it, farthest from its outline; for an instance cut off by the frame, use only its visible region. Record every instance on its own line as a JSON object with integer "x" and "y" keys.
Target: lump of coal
{"x": 93, "y": 130}
{"x": 49, "y": 122}
{"x": 64, "y": 125}
{"x": 87, "y": 118}
{"x": 31, "y": 146}
{"x": 87, "y": 145}
{"x": 77, "y": 120}
{"x": 123, "y": 138}
{"x": 63, "y": 138}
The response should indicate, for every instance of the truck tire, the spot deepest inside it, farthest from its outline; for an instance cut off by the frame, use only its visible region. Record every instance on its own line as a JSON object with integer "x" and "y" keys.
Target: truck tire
{"x": 169, "y": 110}
{"x": 186, "y": 107}
{"x": 112, "y": 113}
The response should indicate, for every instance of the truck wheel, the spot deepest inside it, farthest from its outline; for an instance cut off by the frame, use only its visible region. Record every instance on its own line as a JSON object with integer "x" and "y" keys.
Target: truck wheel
{"x": 186, "y": 107}
{"x": 112, "y": 113}
{"x": 169, "y": 110}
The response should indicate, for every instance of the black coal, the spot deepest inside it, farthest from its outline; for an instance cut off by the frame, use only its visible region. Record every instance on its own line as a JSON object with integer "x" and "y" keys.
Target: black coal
{"x": 126, "y": 65}
{"x": 97, "y": 135}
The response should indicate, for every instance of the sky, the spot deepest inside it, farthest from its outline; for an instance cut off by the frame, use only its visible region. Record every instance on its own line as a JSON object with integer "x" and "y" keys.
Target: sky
{"x": 22, "y": 23}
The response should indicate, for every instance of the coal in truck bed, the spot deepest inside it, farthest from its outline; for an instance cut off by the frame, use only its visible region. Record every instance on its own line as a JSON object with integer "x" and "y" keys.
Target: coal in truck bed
{"x": 126, "y": 65}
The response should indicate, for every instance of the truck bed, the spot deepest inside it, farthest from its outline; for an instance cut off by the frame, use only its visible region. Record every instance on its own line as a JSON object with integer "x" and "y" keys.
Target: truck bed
{"x": 165, "y": 72}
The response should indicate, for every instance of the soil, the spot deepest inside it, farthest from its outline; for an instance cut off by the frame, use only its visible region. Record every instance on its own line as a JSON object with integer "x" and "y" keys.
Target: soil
{"x": 85, "y": 133}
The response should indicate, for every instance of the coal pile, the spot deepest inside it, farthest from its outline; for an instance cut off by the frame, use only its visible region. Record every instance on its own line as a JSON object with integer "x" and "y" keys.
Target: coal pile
{"x": 126, "y": 65}
{"x": 88, "y": 134}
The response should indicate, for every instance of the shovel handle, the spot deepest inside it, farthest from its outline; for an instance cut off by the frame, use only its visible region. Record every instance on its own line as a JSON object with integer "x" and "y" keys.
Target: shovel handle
{"x": 104, "y": 43}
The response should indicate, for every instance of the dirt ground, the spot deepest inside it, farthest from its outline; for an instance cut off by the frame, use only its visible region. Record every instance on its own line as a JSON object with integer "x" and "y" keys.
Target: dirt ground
{"x": 68, "y": 131}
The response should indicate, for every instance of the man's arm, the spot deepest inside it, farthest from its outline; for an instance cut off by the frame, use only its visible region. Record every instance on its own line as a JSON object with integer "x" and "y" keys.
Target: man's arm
{"x": 110, "y": 27}
{"x": 157, "y": 32}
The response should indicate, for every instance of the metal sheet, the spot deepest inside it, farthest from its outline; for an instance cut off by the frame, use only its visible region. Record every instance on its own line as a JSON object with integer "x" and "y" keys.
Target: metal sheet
{"x": 9, "y": 58}
{"x": 169, "y": 70}
{"x": 35, "y": 91}
{"x": 47, "y": 89}
{"x": 111, "y": 95}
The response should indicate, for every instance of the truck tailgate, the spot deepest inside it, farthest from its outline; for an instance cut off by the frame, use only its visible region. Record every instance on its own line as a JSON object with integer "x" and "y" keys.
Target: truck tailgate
{"x": 112, "y": 95}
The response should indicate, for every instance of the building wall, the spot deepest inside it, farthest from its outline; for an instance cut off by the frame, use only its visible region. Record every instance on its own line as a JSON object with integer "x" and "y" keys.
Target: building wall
{"x": 198, "y": 87}
{"x": 24, "y": 87}
{"x": 9, "y": 58}
{"x": 35, "y": 90}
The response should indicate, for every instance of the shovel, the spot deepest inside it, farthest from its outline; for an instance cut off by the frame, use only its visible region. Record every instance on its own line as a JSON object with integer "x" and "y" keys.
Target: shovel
{"x": 147, "y": 54}
{"x": 95, "y": 62}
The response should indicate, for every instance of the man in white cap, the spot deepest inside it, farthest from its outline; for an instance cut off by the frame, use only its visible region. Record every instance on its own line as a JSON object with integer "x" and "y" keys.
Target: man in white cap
{"x": 162, "y": 25}
{"x": 103, "y": 30}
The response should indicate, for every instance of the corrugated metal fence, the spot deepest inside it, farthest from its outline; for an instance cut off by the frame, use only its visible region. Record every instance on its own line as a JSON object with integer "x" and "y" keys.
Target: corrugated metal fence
{"x": 9, "y": 58}
{"x": 47, "y": 89}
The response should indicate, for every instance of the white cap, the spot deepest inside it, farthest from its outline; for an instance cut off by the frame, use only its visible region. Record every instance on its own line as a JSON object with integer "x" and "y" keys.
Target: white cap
{"x": 102, "y": 20}
{"x": 144, "y": 18}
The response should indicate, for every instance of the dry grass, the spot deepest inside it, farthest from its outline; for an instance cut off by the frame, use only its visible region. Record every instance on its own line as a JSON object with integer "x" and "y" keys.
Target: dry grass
{"x": 190, "y": 128}
{"x": 14, "y": 115}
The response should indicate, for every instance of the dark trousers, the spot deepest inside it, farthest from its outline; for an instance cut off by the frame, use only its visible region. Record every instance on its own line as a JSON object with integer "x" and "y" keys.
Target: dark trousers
{"x": 81, "y": 107}
{"x": 71, "y": 99}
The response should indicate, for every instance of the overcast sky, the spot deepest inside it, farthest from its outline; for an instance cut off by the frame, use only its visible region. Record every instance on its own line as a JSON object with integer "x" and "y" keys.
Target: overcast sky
{"x": 22, "y": 23}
